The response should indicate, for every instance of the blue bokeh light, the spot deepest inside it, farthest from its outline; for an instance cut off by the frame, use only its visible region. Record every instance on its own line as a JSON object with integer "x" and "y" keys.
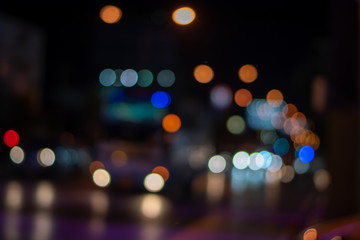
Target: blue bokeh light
{"x": 160, "y": 99}
{"x": 306, "y": 154}
{"x": 281, "y": 146}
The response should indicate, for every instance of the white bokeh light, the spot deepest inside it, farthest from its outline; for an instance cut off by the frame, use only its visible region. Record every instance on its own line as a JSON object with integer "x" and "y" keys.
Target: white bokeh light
{"x": 46, "y": 157}
{"x": 101, "y": 177}
{"x": 217, "y": 164}
{"x": 154, "y": 182}
{"x": 241, "y": 160}
{"x": 17, "y": 155}
{"x": 129, "y": 78}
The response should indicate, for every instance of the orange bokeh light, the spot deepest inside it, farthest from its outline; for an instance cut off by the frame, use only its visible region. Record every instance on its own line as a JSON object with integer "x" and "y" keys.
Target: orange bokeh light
{"x": 248, "y": 73}
{"x": 298, "y": 119}
{"x": 110, "y": 14}
{"x": 95, "y": 165}
{"x": 243, "y": 97}
{"x": 171, "y": 123}
{"x": 274, "y": 97}
{"x": 310, "y": 234}
{"x": 162, "y": 171}
{"x": 203, "y": 73}
{"x": 183, "y": 16}
{"x": 289, "y": 110}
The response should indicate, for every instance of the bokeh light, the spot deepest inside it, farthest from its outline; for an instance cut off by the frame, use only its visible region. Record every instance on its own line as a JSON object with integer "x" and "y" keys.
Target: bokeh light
{"x": 101, "y": 177}
{"x": 321, "y": 179}
{"x": 154, "y": 182}
{"x": 46, "y": 157}
{"x": 44, "y": 194}
{"x": 110, "y": 14}
{"x": 241, "y": 160}
{"x": 300, "y": 167}
{"x": 171, "y": 123}
{"x": 306, "y": 154}
{"x": 118, "y": 158}
{"x": 267, "y": 159}
{"x": 183, "y": 16}
{"x": 287, "y": 174}
{"x": 298, "y": 119}
{"x": 256, "y": 160}
{"x": 310, "y": 234}
{"x": 248, "y": 73}
{"x": 11, "y": 138}
{"x": 151, "y": 206}
{"x": 145, "y": 78}
{"x": 99, "y": 202}
{"x": 160, "y": 99}
{"x": 243, "y": 97}
{"x": 281, "y": 146}
{"x": 17, "y": 155}
{"x": 277, "y": 120}
{"x": 235, "y": 124}
{"x": 203, "y": 73}
{"x": 221, "y": 96}
{"x": 275, "y": 98}
{"x": 107, "y": 77}
{"x": 217, "y": 164}
{"x": 129, "y": 78}
{"x": 13, "y": 195}
{"x": 95, "y": 165}
{"x": 162, "y": 171}
{"x": 166, "y": 78}
{"x": 268, "y": 136}
{"x": 289, "y": 110}
{"x": 276, "y": 163}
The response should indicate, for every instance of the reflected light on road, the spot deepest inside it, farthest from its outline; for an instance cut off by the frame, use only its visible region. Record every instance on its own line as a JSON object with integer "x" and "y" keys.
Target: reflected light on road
{"x": 13, "y": 195}
{"x": 44, "y": 194}
{"x": 151, "y": 206}
{"x": 215, "y": 187}
{"x": 43, "y": 226}
{"x": 99, "y": 202}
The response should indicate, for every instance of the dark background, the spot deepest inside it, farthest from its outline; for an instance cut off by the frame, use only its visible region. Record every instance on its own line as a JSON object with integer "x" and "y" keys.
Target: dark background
{"x": 290, "y": 43}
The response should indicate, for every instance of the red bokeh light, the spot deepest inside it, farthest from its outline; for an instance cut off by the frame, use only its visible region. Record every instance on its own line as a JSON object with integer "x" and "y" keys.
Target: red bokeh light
{"x": 11, "y": 138}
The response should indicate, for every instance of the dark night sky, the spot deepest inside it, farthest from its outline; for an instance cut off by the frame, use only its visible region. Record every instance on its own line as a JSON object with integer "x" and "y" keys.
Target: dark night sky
{"x": 287, "y": 41}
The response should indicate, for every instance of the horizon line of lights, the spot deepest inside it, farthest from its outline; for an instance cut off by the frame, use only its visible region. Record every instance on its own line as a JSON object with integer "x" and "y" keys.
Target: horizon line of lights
{"x": 130, "y": 78}
{"x": 112, "y": 14}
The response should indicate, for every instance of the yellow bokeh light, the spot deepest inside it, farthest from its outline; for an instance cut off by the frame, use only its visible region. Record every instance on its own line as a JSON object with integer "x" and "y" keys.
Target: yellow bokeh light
{"x": 248, "y": 73}
{"x": 110, "y": 14}
{"x": 101, "y": 177}
{"x": 154, "y": 182}
{"x": 243, "y": 97}
{"x": 274, "y": 97}
{"x": 171, "y": 123}
{"x": 203, "y": 73}
{"x": 183, "y": 16}
{"x": 235, "y": 124}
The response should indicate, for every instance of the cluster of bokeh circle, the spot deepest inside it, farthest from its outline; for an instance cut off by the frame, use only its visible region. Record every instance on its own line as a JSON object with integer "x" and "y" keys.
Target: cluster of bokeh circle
{"x": 280, "y": 116}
